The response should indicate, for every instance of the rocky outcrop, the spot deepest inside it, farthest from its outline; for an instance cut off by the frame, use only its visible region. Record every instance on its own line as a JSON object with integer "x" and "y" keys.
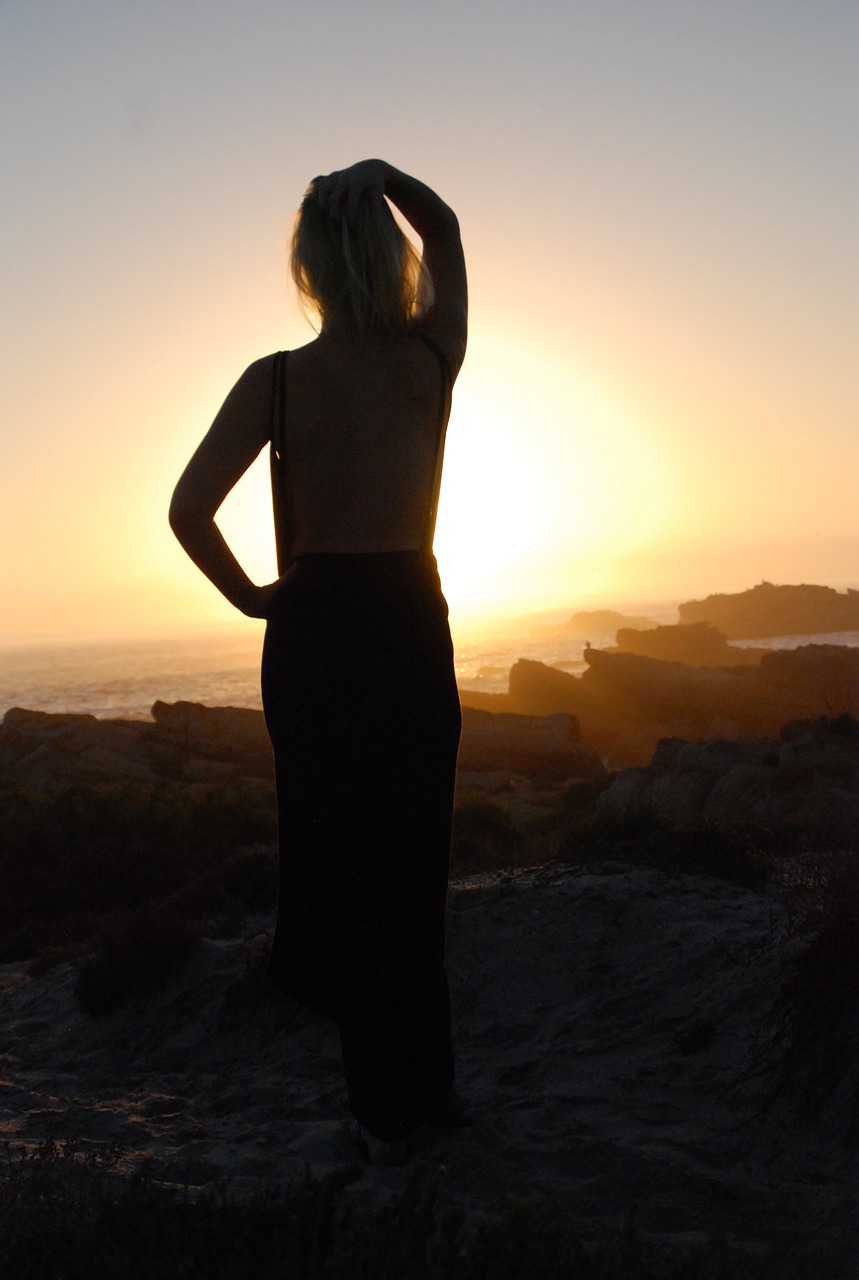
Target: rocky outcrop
{"x": 620, "y": 708}
{"x": 769, "y": 610}
{"x": 536, "y": 689}
{"x": 187, "y": 736}
{"x": 186, "y": 743}
{"x": 808, "y": 777}
{"x": 39, "y": 750}
{"x": 698, "y": 644}
{"x": 193, "y": 744}
{"x": 545, "y": 747}
{"x": 626, "y": 702}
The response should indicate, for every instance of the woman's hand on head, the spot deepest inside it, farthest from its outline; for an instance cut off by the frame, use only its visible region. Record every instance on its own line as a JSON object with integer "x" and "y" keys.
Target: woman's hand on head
{"x": 340, "y": 193}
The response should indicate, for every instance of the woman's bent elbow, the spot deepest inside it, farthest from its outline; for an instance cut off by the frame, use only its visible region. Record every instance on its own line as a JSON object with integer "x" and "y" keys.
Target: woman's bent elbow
{"x": 185, "y": 518}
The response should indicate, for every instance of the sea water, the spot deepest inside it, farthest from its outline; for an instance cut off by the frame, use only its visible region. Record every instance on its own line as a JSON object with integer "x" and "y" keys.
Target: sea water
{"x": 122, "y": 678}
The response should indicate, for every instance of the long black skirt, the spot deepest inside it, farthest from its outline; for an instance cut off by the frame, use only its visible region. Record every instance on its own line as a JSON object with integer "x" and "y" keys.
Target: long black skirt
{"x": 362, "y": 709}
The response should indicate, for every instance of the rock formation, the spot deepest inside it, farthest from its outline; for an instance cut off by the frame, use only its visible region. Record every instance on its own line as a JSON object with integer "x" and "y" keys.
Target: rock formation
{"x": 699, "y": 644}
{"x": 192, "y": 744}
{"x": 535, "y": 746}
{"x": 625, "y": 702}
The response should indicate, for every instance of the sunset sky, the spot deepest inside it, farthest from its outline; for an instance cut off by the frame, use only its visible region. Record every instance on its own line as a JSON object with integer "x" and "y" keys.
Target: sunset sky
{"x": 658, "y": 200}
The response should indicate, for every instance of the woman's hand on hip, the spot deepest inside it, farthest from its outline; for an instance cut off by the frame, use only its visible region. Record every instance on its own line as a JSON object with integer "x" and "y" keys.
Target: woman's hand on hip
{"x": 260, "y": 603}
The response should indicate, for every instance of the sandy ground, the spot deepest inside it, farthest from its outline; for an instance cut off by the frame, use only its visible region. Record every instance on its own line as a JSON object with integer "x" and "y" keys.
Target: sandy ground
{"x": 602, "y": 1018}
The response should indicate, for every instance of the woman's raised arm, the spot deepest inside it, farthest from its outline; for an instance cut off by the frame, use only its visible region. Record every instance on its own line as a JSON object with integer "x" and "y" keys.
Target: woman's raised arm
{"x": 433, "y": 220}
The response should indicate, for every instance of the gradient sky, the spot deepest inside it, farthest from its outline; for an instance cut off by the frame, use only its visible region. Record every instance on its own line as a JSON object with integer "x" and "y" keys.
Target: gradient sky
{"x": 658, "y": 200}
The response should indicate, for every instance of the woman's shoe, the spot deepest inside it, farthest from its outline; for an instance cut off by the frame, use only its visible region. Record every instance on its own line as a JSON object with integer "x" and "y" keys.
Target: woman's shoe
{"x": 378, "y": 1151}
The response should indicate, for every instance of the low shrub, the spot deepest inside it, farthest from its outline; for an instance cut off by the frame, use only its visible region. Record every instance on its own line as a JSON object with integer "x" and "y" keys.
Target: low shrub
{"x": 746, "y": 857}
{"x": 136, "y": 953}
{"x": 65, "y": 1216}
{"x": 74, "y": 857}
{"x": 809, "y": 1049}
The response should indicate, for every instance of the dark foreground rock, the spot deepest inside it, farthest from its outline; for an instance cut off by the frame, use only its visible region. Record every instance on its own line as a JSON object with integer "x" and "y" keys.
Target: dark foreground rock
{"x": 807, "y": 779}
{"x": 603, "y": 1016}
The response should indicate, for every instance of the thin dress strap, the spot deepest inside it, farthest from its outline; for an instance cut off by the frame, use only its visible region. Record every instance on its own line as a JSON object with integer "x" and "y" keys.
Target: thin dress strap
{"x": 277, "y": 418}
{"x": 280, "y": 503}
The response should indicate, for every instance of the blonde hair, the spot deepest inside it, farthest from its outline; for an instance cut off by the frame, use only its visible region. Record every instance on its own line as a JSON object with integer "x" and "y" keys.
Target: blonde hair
{"x": 368, "y": 274}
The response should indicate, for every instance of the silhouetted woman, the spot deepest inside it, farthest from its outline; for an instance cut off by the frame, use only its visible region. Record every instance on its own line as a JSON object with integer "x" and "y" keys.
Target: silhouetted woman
{"x": 357, "y": 673}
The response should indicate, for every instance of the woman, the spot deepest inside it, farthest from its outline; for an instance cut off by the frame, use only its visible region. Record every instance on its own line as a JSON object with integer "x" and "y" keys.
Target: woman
{"x": 357, "y": 675}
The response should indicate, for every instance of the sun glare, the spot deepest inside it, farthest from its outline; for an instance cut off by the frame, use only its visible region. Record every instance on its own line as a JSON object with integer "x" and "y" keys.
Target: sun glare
{"x": 540, "y": 470}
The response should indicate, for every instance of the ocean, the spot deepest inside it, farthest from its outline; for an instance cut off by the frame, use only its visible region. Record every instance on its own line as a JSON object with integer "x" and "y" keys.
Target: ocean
{"x": 122, "y": 678}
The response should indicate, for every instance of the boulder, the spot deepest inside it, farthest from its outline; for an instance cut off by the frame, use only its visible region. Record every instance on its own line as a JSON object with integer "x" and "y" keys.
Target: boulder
{"x": 537, "y": 689}
{"x": 650, "y": 690}
{"x": 186, "y": 743}
{"x": 626, "y": 702}
{"x": 234, "y": 736}
{"x": 810, "y": 782}
{"x": 39, "y": 750}
{"x": 742, "y": 796}
{"x": 534, "y": 746}
{"x": 624, "y": 802}
{"x": 815, "y": 679}
{"x": 698, "y": 644}
{"x": 192, "y": 744}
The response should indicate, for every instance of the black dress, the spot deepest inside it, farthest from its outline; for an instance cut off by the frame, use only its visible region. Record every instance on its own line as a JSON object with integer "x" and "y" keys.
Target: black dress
{"x": 363, "y": 712}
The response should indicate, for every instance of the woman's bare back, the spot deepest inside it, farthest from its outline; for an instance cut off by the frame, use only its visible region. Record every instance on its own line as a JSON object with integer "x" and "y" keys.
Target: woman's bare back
{"x": 361, "y": 442}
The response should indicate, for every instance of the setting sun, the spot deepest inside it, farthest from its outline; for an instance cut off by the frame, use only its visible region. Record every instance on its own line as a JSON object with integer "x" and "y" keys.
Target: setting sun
{"x": 540, "y": 470}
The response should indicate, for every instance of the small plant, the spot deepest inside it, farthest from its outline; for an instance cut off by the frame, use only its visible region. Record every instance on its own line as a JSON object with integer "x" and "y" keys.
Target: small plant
{"x": 809, "y": 1053}
{"x": 138, "y": 953}
{"x": 485, "y": 837}
{"x": 65, "y": 1215}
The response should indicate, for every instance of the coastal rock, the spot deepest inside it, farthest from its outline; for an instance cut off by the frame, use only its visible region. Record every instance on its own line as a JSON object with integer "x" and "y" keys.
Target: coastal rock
{"x": 649, "y": 689}
{"x": 536, "y": 746}
{"x": 537, "y": 689}
{"x": 698, "y": 644}
{"x": 817, "y": 679}
{"x": 192, "y": 744}
{"x": 626, "y": 703}
{"x": 811, "y": 680}
{"x": 38, "y": 750}
{"x": 229, "y": 735}
{"x": 770, "y": 610}
{"x": 187, "y": 743}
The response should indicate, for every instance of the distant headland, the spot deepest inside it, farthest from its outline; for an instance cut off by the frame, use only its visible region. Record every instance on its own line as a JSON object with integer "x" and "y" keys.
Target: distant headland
{"x": 770, "y": 610}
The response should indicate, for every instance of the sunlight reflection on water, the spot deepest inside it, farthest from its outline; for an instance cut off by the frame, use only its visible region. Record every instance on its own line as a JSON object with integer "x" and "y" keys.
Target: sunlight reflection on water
{"x": 121, "y": 679}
